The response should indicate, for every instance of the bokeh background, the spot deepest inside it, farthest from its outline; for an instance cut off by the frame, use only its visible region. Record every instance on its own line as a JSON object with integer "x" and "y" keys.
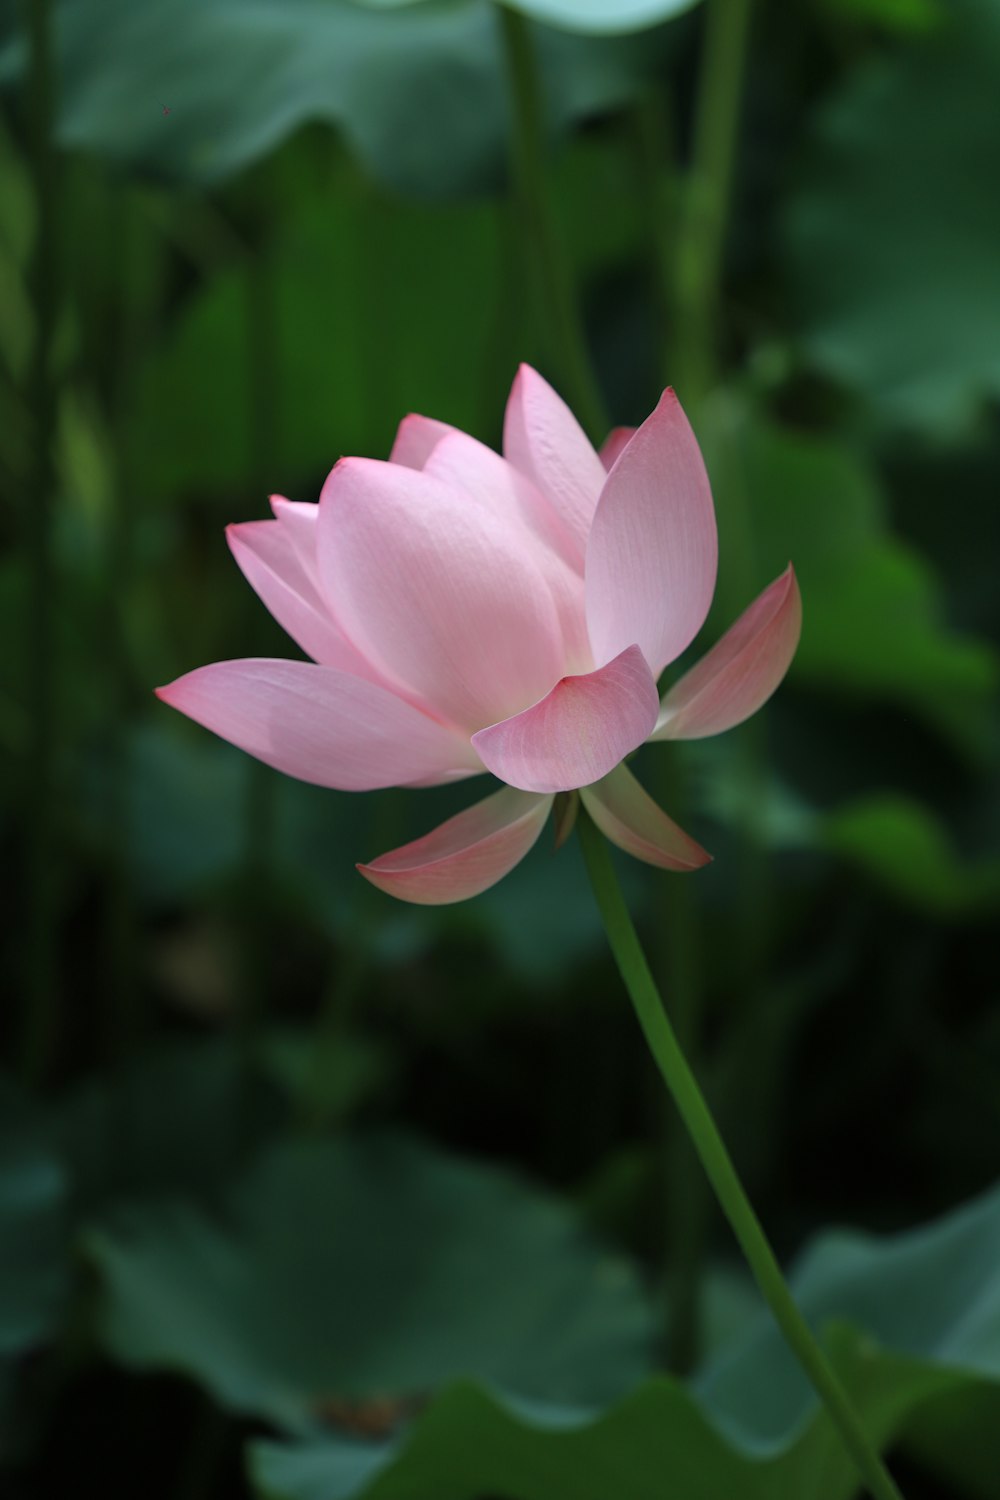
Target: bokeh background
{"x": 307, "y": 1194}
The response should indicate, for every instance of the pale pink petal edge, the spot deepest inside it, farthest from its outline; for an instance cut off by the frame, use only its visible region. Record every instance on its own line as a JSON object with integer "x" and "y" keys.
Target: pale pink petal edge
{"x": 628, "y": 816}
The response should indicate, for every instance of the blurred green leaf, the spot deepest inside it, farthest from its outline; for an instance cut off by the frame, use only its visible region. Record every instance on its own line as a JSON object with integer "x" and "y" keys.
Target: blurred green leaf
{"x": 34, "y": 1256}
{"x": 605, "y": 17}
{"x": 891, "y": 235}
{"x": 748, "y": 1428}
{"x": 906, "y": 848}
{"x": 873, "y": 619}
{"x": 419, "y": 90}
{"x": 376, "y": 1268}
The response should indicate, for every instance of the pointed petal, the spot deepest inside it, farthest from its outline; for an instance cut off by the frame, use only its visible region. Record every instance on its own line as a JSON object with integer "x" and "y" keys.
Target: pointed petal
{"x": 320, "y": 725}
{"x": 543, "y": 439}
{"x": 273, "y": 567}
{"x": 299, "y": 523}
{"x": 741, "y": 671}
{"x": 416, "y": 439}
{"x": 439, "y": 593}
{"x": 651, "y": 557}
{"x": 630, "y": 818}
{"x": 465, "y": 855}
{"x": 578, "y": 732}
{"x": 614, "y": 443}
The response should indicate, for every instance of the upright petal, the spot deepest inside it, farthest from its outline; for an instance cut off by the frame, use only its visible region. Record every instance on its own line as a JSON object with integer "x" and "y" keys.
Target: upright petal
{"x": 652, "y": 553}
{"x": 437, "y": 591}
{"x": 614, "y": 444}
{"x": 630, "y": 818}
{"x": 471, "y": 467}
{"x": 578, "y": 732}
{"x": 273, "y": 567}
{"x": 416, "y": 439}
{"x": 543, "y": 439}
{"x": 465, "y": 855}
{"x": 320, "y": 725}
{"x": 298, "y": 520}
{"x": 741, "y": 671}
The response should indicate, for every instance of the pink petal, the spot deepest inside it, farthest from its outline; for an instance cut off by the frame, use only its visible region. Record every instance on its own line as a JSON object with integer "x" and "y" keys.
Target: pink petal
{"x": 320, "y": 725}
{"x": 416, "y": 439}
{"x": 466, "y": 855}
{"x": 630, "y": 818}
{"x": 467, "y": 465}
{"x": 299, "y": 523}
{"x": 543, "y": 439}
{"x": 578, "y": 732}
{"x": 614, "y": 443}
{"x": 741, "y": 671}
{"x": 439, "y": 592}
{"x": 651, "y": 556}
{"x": 273, "y": 567}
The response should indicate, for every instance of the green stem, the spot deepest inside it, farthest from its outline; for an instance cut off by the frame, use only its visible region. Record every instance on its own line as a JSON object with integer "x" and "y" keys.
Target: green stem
{"x": 39, "y": 1025}
{"x": 703, "y": 224}
{"x": 717, "y": 1163}
{"x": 549, "y": 264}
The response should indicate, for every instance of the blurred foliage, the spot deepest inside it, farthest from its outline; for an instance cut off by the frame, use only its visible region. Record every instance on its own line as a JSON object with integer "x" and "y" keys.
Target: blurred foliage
{"x": 321, "y": 1196}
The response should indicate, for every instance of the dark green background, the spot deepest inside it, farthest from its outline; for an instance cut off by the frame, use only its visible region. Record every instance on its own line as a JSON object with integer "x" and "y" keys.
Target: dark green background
{"x": 274, "y": 1147}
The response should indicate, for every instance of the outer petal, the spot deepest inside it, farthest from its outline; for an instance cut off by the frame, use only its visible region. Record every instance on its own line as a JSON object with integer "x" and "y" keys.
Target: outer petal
{"x": 437, "y": 591}
{"x": 320, "y": 725}
{"x": 652, "y": 553}
{"x": 299, "y": 523}
{"x": 741, "y": 671}
{"x": 630, "y": 818}
{"x": 616, "y": 440}
{"x": 272, "y": 565}
{"x": 578, "y": 732}
{"x": 466, "y": 855}
{"x": 416, "y": 439}
{"x": 543, "y": 439}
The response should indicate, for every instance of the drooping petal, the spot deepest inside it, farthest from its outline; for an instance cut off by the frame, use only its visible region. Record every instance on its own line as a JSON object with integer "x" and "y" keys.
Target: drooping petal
{"x": 320, "y": 725}
{"x": 741, "y": 671}
{"x": 652, "y": 553}
{"x": 630, "y": 818}
{"x": 416, "y": 439}
{"x": 474, "y": 469}
{"x": 578, "y": 732}
{"x": 273, "y": 567}
{"x": 614, "y": 443}
{"x": 437, "y": 591}
{"x": 465, "y": 855}
{"x": 543, "y": 439}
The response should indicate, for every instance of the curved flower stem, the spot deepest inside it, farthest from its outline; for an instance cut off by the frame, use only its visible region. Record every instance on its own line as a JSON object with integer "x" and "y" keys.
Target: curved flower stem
{"x": 548, "y": 263}
{"x": 718, "y": 1165}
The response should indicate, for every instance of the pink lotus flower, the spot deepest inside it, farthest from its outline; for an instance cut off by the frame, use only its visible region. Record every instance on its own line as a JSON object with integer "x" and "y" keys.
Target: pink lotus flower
{"x": 468, "y": 613}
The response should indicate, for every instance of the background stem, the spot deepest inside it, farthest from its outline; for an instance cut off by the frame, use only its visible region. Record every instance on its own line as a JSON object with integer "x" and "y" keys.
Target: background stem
{"x": 717, "y": 1162}
{"x": 40, "y": 1021}
{"x": 548, "y": 263}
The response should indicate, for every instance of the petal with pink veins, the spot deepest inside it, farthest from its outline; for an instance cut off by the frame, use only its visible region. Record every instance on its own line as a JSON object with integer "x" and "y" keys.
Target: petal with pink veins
{"x": 272, "y": 565}
{"x": 615, "y": 442}
{"x": 543, "y": 439}
{"x": 320, "y": 725}
{"x": 578, "y": 732}
{"x": 741, "y": 671}
{"x": 630, "y": 818}
{"x": 652, "y": 552}
{"x": 299, "y": 522}
{"x": 465, "y": 855}
{"x": 416, "y": 439}
{"x": 440, "y": 593}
